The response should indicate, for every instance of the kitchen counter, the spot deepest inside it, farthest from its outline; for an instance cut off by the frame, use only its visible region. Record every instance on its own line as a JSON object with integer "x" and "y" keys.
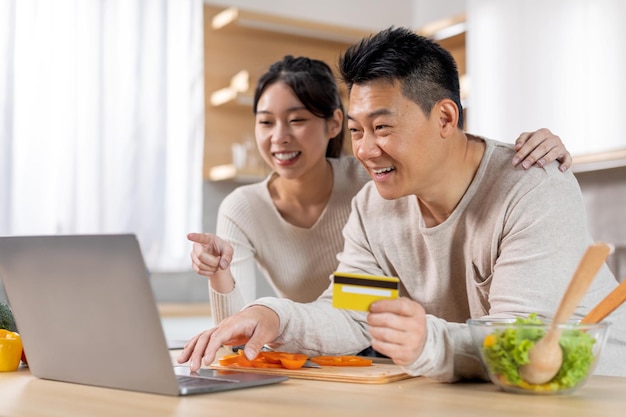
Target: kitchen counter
{"x": 22, "y": 394}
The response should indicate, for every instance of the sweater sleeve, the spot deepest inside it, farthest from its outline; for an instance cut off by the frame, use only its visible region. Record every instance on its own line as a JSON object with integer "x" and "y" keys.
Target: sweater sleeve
{"x": 230, "y": 227}
{"x": 317, "y": 328}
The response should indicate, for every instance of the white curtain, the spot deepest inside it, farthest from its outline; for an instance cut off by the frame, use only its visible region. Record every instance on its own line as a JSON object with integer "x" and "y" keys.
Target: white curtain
{"x": 102, "y": 121}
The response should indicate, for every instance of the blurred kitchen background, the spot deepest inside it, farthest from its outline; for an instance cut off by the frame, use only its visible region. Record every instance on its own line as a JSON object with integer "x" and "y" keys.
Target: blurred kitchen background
{"x": 135, "y": 116}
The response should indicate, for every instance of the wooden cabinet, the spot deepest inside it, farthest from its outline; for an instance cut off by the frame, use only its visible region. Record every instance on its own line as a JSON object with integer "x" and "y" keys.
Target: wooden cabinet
{"x": 251, "y": 42}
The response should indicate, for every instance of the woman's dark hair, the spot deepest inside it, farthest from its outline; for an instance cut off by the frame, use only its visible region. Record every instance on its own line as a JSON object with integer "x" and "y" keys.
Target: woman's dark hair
{"x": 426, "y": 71}
{"x": 313, "y": 82}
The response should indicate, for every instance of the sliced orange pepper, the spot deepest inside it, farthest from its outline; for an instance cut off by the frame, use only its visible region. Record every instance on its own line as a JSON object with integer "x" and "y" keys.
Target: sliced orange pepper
{"x": 293, "y": 360}
{"x": 238, "y": 359}
{"x": 285, "y": 359}
{"x": 260, "y": 363}
{"x": 228, "y": 360}
{"x": 265, "y": 360}
{"x": 271, "y": 357}
{"x": 341, "y": 361}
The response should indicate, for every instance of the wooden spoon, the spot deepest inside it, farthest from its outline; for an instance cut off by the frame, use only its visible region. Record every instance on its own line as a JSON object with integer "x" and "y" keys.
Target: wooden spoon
{"x": 608, "y": 304}
{"x": 546, "y": 356}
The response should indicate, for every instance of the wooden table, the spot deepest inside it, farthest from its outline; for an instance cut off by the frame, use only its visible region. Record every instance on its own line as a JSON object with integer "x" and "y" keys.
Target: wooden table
{"x": 22, "y": 394}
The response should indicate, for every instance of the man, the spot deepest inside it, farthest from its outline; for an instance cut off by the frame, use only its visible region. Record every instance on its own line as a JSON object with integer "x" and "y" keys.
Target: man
{"x": 446, "y": 213}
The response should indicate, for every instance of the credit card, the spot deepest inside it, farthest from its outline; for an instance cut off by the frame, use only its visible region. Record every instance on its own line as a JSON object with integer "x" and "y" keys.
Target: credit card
{"x": 359, "y": 291}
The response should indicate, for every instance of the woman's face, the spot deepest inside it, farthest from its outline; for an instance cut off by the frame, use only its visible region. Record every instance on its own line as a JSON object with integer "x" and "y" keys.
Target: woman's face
{"x": 291, "y": 140}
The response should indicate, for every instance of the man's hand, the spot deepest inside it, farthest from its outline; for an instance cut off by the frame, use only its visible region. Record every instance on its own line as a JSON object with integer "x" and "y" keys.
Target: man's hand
{"x": 541, "y": 147}
{"x": 255, "y": 326}
{"x": 398, "y": 329}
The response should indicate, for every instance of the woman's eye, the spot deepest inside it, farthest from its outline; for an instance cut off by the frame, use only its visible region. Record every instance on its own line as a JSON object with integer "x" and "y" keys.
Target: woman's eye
{"x": 264, "y": 122}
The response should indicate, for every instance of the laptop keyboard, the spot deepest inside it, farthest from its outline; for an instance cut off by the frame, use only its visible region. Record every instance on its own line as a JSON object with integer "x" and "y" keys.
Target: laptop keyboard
{"x": 191, "y": 381}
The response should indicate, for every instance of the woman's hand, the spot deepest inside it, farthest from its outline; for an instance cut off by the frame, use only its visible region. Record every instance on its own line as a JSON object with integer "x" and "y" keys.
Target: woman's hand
{"x": 541, "y": 147}
{"x": 210, "y": 254}
{"x": 211, "y": 257}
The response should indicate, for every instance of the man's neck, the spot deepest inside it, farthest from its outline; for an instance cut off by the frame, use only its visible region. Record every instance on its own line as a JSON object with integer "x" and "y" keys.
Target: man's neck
{"x": 458, "y": 174}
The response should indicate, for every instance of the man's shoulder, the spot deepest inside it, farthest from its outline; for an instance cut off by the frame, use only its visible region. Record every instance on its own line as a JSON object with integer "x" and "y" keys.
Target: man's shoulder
{"x": 499, "y": 177}
{"x": 500, "y": 160}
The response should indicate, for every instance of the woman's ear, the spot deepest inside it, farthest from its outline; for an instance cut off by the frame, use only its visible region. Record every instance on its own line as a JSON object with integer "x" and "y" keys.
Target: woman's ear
{"x": 335, "y": 124}
{"x": 448, "y": 114}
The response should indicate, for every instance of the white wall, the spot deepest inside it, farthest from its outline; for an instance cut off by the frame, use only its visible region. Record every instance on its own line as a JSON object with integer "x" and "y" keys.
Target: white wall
{"x": 557, "y": 63}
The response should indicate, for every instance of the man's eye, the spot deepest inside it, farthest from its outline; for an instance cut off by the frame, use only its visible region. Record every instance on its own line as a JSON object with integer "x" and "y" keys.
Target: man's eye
{"x": 355, "y": 133}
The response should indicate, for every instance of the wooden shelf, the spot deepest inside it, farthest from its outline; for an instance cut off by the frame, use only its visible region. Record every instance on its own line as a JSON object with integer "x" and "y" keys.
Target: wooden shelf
{"x": 235, "y": 18}
{"x": 240, "y": 46}
{"x": 228, "y": 172}
{"x": 184, "y": 309}
{"x": 241, "y": 101}
{"x": 445, "y": 28}
{"x": 599, "y": 161}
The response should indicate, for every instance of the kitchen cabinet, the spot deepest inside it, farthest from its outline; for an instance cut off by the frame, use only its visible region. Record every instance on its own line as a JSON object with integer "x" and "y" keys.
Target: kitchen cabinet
{"x": 249, "y": 43}
{"x": 599, "y": 161}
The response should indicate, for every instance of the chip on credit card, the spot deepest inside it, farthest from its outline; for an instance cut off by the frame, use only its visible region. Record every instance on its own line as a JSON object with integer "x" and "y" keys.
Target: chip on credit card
{"x": 359, "y": 291}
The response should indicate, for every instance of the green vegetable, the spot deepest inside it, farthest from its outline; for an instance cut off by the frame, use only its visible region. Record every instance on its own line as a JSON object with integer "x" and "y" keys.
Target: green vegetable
{"x": 6, "y": 318}
{"x": 506, "y": 350}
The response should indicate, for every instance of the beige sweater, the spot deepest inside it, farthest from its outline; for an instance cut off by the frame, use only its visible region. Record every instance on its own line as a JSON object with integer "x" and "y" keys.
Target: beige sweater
{"x": 508, "y": 249}
{"x": 295, "y": 261}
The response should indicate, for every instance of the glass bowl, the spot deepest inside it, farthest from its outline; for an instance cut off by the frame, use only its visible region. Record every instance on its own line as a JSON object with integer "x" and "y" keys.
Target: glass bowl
{"x": 503, "y": 346}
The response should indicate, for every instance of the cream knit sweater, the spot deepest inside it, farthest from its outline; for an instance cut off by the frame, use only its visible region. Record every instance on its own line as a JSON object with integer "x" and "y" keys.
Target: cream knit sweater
{"x": 297, "y": 262}
{"x": 508, "y": 249}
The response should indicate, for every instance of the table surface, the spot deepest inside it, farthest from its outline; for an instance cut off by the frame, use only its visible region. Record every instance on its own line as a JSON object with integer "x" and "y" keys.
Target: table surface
{"x": 22, "y": 394}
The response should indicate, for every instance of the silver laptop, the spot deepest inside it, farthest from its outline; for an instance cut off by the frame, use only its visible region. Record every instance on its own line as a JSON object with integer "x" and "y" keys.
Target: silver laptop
{"x": 86, "y": 313}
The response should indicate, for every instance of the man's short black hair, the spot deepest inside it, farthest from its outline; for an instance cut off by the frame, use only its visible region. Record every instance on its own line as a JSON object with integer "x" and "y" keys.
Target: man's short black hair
{"x": 426, "y": 71}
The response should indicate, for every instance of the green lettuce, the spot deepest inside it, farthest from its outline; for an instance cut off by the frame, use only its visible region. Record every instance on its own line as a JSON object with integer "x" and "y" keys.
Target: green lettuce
{"x": 508, "y": 349}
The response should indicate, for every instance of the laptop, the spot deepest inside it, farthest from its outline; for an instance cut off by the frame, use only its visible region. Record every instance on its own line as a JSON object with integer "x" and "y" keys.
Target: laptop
{"x": 86, "y": 312}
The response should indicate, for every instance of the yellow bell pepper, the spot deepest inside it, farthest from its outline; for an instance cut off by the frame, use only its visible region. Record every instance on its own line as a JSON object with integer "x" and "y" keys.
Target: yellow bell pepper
{"x": 10, "y": 350}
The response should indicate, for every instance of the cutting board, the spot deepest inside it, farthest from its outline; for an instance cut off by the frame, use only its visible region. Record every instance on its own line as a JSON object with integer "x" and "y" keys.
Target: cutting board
{"x": 378, "y": 373}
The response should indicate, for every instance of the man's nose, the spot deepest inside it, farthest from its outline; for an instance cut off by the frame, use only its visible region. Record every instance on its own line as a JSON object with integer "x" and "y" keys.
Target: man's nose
{"x": 367, "y": 147}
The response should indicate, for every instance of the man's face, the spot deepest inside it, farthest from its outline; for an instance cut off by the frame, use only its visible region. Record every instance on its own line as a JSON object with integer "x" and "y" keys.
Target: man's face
{"x": 393, "y": 139}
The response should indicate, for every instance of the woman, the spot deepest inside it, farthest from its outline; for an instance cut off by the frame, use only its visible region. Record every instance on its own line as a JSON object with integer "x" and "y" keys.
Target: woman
{"x": 290, "y": 224}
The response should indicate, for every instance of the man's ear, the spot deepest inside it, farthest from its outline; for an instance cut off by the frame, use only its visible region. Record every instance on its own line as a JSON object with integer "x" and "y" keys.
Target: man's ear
{"x": 448, "y": 114}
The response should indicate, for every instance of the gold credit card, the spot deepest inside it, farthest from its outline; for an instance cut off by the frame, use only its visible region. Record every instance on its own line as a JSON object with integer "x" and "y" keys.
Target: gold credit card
{"x": 359, "y": 291}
